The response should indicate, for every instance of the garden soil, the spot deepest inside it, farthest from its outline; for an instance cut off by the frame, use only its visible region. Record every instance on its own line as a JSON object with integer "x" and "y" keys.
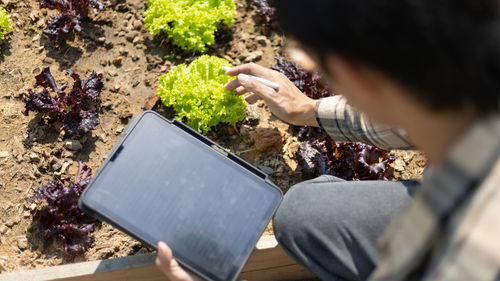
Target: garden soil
{"x": 116, "y": 44}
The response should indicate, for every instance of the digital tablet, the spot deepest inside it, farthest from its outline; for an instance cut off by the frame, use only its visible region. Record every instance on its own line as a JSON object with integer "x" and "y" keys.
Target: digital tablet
{"x": 165, "y": 182}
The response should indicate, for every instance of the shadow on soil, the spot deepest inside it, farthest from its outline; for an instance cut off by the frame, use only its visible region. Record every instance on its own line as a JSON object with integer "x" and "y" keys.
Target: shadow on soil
{"x": 52, "y": 246}
{"x": 43, "y": 131}
{"x": 159, "y": 49}
{"x": 67, "y": 55}
{"x": 40, "y": 131}
{"x": 5, "y": 49}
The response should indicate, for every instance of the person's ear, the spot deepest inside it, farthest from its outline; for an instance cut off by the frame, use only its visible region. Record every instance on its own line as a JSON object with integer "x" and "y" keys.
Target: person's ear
{"x": 359, "y": 83}
{"x": 302, "y": 58}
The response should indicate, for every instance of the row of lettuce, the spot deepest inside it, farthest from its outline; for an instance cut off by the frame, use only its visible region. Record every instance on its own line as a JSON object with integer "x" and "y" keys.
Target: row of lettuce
{"x": 195, "y": 92}
{"x": 190, "y": 25}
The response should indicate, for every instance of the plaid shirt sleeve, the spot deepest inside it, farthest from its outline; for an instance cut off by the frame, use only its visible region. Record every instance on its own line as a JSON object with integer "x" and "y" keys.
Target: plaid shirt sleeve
{"x": 344, "y": 123}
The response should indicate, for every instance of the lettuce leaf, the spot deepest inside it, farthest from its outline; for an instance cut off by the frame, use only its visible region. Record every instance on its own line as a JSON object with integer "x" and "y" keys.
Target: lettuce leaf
{"x": 191, "y": 25}
{"x": 5, "y": 26}
{"x": 61, "y": 216}
{"x": 72, "y": 12}
{"x": 266, "y": 9}
{"x": 71, "y": 108}
{"x": 350, "y": 161}
{"x": 197, "y": 94}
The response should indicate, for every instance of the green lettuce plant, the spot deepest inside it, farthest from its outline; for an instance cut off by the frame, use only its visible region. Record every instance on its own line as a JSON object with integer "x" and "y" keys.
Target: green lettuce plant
{"x": 190, "y": 24}
{"x": 5, "y": 26}
{"x": 197, "y": 94}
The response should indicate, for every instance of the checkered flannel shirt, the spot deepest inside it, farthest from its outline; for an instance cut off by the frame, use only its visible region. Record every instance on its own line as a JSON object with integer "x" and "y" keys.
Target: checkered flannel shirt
{"x": 451, "y": 230}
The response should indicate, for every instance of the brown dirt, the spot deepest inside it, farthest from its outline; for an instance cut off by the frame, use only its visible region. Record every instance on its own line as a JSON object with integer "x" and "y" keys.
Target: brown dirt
{"x": 116, "y": 45}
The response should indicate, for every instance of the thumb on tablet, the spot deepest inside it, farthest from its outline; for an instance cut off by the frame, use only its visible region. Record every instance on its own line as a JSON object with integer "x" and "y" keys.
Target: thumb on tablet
{"x": 170, "y": 266}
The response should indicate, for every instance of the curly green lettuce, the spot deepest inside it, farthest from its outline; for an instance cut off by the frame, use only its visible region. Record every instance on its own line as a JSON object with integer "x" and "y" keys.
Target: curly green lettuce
{"x": 197, "y": 94}
{"x": 190, "y": 24}
{"x": 5, "y": 26}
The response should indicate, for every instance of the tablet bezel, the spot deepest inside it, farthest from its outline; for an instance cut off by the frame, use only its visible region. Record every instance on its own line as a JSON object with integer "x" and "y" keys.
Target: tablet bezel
{"x": 86, "y": 206}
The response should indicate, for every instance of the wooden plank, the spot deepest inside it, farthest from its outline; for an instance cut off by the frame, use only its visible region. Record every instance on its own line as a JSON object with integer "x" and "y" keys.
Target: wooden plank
{"x": 268, "y": 262}
{"x": 291, "y": 272}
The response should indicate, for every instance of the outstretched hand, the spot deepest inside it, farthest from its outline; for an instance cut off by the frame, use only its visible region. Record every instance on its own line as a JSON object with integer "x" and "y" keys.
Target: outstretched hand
{"x": 174, "y": 271}
{"x": 288, "y": 103}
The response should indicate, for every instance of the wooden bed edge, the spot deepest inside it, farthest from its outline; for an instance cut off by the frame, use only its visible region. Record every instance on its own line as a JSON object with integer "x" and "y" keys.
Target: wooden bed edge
{"x": 267, "y": 262}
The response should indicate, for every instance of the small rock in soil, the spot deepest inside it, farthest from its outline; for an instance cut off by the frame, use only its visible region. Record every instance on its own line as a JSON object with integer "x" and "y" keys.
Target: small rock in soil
{"x": 123, "y": 52}
{"x": 56, "y": 166}
{"x": 34, "y": 157}
{"x": 34, "y": 16}
{"x": 137, "y": 24}
{"x": 112, "y": 73}
{"x": 119, "y": 130}
{"x": 19, "y": 158}
{"x": 267, "y": 138}
{"x": 253, "y": 56}
{"x": 74, "y": 145}
{"x": 266, "y": 169}
{"x": 4, "y": 154}
{"x": 32, "y": 207}
{"x": 262, "y": 40}
{"x": 252, "y": 114}
{"x": 125, "y": 114}
{"x": 3, "y": 261}
{"x": 22, "y": 243}
{"x": 3, "y": 229}
{"x": 118, "y": 61}
{"x": 65, "y": 167}
{"x": 399, "y": 165}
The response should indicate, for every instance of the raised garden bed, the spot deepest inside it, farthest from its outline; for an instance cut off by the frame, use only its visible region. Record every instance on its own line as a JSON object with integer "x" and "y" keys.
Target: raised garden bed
{"x": 116, "y": 44}
{"x": 268, "y": 262}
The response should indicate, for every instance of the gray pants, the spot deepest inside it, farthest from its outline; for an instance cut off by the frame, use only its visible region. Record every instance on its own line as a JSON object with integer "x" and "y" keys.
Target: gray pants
{"x": 331, "y": 226}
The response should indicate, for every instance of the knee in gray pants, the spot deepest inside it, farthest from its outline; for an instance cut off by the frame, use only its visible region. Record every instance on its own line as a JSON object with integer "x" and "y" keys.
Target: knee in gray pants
{"x": 331, "y": 226}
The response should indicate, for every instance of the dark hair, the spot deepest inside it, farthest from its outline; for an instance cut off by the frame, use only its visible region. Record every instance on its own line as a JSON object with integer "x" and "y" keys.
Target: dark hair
{"x": 447, "y": 52}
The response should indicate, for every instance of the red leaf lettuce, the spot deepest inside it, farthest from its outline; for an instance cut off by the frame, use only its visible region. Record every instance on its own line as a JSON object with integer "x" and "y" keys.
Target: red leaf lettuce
{"x": 72, "y": 108}
{"x": 350, "y": 161}
{"x": 71, "y": 14}
{"x": 266, "y": 9}
{"x": 61, "y": 216}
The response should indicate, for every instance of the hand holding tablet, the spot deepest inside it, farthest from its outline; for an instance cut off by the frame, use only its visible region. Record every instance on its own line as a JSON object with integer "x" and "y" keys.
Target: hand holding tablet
{"x": 172, "y": 269}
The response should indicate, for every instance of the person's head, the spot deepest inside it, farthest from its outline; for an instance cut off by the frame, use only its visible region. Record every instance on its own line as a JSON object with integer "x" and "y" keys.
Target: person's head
{"x": 443, "y": 54}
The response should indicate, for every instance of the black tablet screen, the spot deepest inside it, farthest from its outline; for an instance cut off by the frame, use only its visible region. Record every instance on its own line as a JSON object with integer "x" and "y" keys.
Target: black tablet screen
{"x": 166, "y": 185}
